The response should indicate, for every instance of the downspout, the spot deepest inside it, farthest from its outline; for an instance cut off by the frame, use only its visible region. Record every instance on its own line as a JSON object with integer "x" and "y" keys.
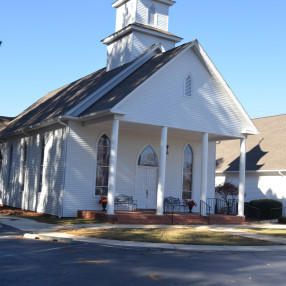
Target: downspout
{"x": 25, "y": 133}
{"x": 65, "y": 159}
{"x": 280, "y": 173}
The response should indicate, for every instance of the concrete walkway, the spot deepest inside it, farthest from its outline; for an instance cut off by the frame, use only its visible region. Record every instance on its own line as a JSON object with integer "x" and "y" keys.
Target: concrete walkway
{"x": 51, "y": 231}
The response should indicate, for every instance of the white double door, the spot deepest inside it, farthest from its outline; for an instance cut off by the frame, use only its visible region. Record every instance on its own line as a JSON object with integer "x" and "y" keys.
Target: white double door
{"x": 146, "y": 189}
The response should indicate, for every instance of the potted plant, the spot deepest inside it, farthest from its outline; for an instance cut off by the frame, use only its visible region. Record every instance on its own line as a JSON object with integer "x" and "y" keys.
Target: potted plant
{"x": 103, "y": 202}
{"x": 190, "y": 204}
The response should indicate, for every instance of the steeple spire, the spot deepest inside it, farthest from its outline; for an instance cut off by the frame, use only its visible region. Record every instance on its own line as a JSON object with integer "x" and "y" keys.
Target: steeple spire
{"x": 139, "y": 25}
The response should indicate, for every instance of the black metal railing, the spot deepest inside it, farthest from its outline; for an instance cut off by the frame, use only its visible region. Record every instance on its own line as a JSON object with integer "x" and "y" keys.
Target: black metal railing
{"x": 276, "y": 213}
{"x": 251, "y": 213}
{"x": 205, "y": 210}
{"x": 219, "y": 206}
{"x": 169, "y": 211}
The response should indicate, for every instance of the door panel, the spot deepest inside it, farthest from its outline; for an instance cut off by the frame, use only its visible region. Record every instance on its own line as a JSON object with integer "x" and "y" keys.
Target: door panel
{"x": 147, "y": 178}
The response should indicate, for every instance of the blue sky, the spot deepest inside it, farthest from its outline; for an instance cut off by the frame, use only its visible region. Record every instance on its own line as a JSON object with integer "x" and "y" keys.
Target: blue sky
{"x": 47, "y": 44}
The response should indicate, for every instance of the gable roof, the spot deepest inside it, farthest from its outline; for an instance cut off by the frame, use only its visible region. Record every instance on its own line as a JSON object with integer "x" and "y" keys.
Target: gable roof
{"x": 59, "y": 102}
{"x": 265, "y": 151}
{"x": 100, "y": 91}
{"x": 4, "y": 121}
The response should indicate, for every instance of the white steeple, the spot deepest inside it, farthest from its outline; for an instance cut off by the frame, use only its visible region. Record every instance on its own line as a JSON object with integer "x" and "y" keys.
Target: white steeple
{"x": 139, "y": 25}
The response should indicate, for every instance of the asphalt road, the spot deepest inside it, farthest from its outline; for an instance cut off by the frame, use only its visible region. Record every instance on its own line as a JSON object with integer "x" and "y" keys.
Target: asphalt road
{"x": 32, "y": 262}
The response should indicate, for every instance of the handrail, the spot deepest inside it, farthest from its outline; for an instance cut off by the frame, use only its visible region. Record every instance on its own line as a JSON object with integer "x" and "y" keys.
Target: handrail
{"x": 252, "y": 212}
{"x": 219, "y": 206}
{"x": 205, "y": 210}
{"x": 276, "y": 213}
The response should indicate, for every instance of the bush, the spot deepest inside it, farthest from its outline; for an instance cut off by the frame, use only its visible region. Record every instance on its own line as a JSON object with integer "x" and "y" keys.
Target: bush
{"x": 282, "y": 220}
{"x": 266, "y": 207}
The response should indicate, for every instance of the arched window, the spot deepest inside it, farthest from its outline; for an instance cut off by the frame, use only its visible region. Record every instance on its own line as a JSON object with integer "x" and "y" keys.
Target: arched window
{"x": 24, "y": 164}
{"x": 1, "y": 159}
{"x": 10, "y": 166}
{"x": 152, "y": 16}
{"x": 102, "y": 166}
{"x": 42, "y": 162}
{"x": 188, "y": 86}
{"x": 148, "y": 157}
{"x": 187, "y": 173}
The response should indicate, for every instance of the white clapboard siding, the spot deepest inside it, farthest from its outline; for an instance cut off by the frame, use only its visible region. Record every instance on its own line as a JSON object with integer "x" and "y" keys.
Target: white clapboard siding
{"x": 160, "y": 100}
{"x": 162, "y": 11}
{"x": 141, "y": 42}
{"x": 125, "y": 15}
{"x": 81, "y": 165}
{"x": 49, "y": 201}
{"x": 259, "y": 186}
{"x": 119, "y": 52}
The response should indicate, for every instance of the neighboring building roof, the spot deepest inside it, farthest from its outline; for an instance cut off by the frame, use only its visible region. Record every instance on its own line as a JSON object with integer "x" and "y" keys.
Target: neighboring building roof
{"x": 57, "y": 103}
{"x": 265, "y": 151}
{"x": 4, "y": 121}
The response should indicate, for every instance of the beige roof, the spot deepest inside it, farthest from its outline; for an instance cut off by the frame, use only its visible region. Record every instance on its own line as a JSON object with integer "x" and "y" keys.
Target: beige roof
{"x": 265, "y": 151}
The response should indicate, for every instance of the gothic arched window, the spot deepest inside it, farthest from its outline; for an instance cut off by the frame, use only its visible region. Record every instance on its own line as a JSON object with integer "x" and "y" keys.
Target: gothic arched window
{"x": 102, "y": 166}
{"x": 148, "y": 157}
{"x": 187, "y": 173}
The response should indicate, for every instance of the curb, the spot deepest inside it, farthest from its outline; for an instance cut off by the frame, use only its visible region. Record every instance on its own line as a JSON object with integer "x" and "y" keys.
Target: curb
{"x": 47, "y": 238}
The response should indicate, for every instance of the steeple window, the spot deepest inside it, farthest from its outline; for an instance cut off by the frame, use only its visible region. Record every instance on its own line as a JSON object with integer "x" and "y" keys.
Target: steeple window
{"x": 152, "y": 16}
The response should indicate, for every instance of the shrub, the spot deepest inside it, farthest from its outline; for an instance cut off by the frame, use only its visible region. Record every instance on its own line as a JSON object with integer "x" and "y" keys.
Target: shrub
{"x": 226, "y": 190}
{"x": 282, "y": 220}
{"x": 266, "y": 207}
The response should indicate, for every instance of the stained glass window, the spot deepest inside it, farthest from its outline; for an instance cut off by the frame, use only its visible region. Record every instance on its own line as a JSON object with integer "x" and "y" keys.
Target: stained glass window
{"x": 102, "y": 169}
{"x": 148, "y": 157}
{"x": 187, "y": 173}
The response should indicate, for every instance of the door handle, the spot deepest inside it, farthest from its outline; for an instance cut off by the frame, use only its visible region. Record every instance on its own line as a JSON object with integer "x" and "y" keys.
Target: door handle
{"x": 147, "y": 193}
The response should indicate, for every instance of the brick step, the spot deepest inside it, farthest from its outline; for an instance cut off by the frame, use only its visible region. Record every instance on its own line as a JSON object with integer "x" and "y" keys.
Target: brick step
{"x": 150, "y": 217}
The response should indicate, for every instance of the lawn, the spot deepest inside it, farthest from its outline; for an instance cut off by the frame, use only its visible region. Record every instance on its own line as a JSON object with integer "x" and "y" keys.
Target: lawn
{"x": 9, "y": 211}
{"x": 267, "y": 231}
{"x": 170, "y": 235}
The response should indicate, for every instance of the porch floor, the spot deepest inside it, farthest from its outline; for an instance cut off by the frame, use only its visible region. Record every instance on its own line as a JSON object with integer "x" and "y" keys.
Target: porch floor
{"x": 150, "y": 217}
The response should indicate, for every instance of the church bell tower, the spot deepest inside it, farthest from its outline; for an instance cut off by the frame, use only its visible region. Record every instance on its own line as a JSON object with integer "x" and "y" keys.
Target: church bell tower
{"x": 139, "y": 25}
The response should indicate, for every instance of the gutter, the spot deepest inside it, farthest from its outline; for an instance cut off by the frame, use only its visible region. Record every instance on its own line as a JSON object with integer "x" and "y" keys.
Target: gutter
{"x": 253, "y": 171}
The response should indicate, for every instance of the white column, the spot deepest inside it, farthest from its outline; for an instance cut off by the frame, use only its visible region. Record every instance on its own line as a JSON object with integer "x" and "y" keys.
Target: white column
{"x": 112, "y": 166}
{"x": 162, "y": 171}
{"x": 204, "y": 175}
{"x": 241, "y": 187}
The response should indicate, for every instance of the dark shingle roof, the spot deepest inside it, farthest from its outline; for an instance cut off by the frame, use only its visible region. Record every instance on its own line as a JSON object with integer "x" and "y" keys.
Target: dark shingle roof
{"x": 60, "y": 101}
{"x": 57, "y": 103}
{"x": 4, "y": 121}
{"x": 265, "y": 151}
{"x": 124, "y": 88}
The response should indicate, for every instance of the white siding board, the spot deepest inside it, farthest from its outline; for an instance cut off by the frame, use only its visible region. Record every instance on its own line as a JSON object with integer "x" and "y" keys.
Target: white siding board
{"x": 119, "y": 52}
{"x": 123, "y": 19}
{"x": 141, "y": 42}
{"x": 81, "y": 165}
{"x": 48, "y": 201}
{"x": 160, "y": 100}
{"x": 162, "y": 11}
{"x": 259, "y": 186}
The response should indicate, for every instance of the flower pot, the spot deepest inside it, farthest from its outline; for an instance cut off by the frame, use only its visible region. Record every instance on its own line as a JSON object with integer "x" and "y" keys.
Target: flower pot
{"x": 191, "y": 209}
{"x": 104, "y": 206}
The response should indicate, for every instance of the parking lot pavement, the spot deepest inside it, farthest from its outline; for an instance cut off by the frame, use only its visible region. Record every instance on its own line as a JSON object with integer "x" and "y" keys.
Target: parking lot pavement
{"x": 7, "y": 231}
{"x": 34, "y": 262}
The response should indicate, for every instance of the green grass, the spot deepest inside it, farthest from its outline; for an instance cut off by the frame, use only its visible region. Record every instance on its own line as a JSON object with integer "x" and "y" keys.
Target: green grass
{"x": 266, "y": 231}
{"x": 170, "y": 235}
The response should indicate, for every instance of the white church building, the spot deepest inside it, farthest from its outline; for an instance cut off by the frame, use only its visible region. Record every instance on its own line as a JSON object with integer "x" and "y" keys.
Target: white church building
{"x": 146, "y": 126}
